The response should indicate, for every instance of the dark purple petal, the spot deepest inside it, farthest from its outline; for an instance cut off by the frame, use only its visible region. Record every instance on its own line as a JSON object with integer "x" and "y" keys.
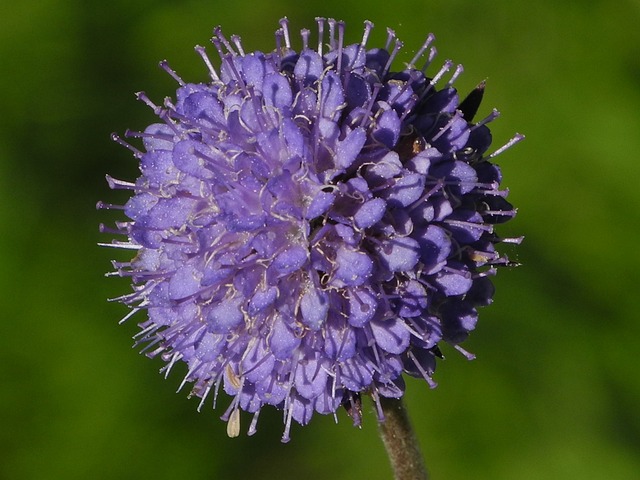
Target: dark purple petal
{"x": 184, "y": 282}
{"x": 414, "y": 300}
{"x": 370, "y": 213}
{"x": 158, "y": 167}
{"x": 405, "y": 190}
{"x": 311, "y": 377}
{"x": 391, "y": 335}
{"x": 283, "y": 340}
{"x": 453, "y": 282}
{"x": 258, "y": 362}
{"x": 355, "y": 374}
{"x": 224, "y": 316}
{"x": 302, "y": 409}
{"x": 320, "y": 204}
{"x": 348, "y": 149}
{"x": 354, "y": 267}
{"x": 399, "y": 253}
{"x": 277, "y": 91}
{"x": 435, "y": 247}
{"x": 314, "y": 305}
{"x": 458, "y": 319}
{"x": 340, "y": 341}
{"x": 387, "y": 130}
{"x": 292, "y": 259}
{"x": 331, "y": 96}
{"x": 309, "y": 67}
{"x": 362, "y": 306}
{"x": 262, "y": 299}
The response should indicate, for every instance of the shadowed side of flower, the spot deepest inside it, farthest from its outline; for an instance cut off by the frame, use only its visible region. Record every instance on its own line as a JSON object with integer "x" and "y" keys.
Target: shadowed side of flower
{"x": 310, "y": 225}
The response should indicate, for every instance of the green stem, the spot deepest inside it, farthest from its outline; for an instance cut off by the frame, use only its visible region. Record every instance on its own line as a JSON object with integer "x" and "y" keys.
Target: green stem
{"x": 400, "y": 441}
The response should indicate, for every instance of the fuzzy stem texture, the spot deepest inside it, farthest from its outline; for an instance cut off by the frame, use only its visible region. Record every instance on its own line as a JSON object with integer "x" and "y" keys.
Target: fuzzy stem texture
{"x": 400, "y": 441}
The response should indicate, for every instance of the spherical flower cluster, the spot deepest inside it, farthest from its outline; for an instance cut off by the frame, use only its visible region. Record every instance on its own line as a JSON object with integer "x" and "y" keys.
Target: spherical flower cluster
{"x": 311, "y": 225}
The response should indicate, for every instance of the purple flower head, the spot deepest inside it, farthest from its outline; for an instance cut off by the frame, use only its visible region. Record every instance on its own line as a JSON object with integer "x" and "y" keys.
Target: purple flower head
{"x": 310, "y": 225}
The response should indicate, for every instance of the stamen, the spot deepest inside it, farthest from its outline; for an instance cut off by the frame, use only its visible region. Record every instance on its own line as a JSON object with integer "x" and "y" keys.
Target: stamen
{"x": 396, "y": 48}
{"x": 126, "y": 299}
{"x": 332, "y": 33}
{"x": 234, "y": 72}
{"x": 376, "y": 401}
{"x": 152, "y": 328}
{"x": 491, "y": 271}
{"x": 448, "y": 125}
{"x": 514, "y": 240}
{"x": 115, "y": 184}
{"x": 218, "y": 45}
{"x": 445, "y": 68}
{"x": 433, "y": 51}
{"x": 167, "y": 368}
{"x": 168, "y": 104}
{"x": 468, "y": 355}
{"x": 123, "y": 225}
{"x": 210, "y": 160}
{"x": 428, "y": 41}
{"x": 102, "y": 228}
{"x": 108, "y": 206}
{"x": 354, "y": 408}
{"x": 368, "y": 108}
{"x": 218, "y": 33}
{"x": 501, "y": 213}
{"x": 462, "y": 224}
{"x": 165, "y": 66}
{"x": 253, "y": 427}
{"x": 237, "y": 41}
{"x": 153, "y": 343}
{"x": 204, "y": 394}
{"x": 320, "y": 21}
{"x": 143, "y": 97}
{"x": 391, "y": 35}
{"x": 135, "y": 134}
{"x": 367, "y": 116}
{"x": 489, "y": 118}
{"x": 234, "y": 380}
{"x": 287, "y": 424}
{"x": 413, "y": 76}
{"x": 205, "y": 58}
{"x": 120, "y": 273}
{"x": 340, "y": 45}
{"x": 277, "y": 56}
{"x": 305, "y": 34}
{"x": 116, "y": 138}
{"x": 156, "y": 352}
{"x": 426, "y": 375}
{"x": 166, "y": 118}
{"x": 517, "y": 138}
{"x": 284, "y": 23}
{"x": 128, "y": 315}
{"x": 189, "y": 336}
{"x": 454, "y": 77}
{"x": 197, "y": 364}
{"x": 215, "y": 392}
{"x": 368, "y": 26}
{"x": 233, "y": 426}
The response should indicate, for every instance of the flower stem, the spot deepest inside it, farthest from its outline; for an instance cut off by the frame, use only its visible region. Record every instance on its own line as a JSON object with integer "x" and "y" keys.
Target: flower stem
{"x": 400, "y": 441}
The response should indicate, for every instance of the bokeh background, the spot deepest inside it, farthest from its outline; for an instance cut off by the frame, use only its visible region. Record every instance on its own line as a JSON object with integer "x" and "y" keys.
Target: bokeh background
{"x": 555, "y": 391}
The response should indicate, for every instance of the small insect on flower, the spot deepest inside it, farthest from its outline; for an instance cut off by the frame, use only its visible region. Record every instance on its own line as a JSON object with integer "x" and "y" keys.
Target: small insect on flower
{"x": 310, "y": 225}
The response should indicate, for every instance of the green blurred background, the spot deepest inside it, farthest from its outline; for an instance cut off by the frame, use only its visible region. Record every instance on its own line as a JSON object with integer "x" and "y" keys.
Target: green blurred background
{"x": 555, "y": 391}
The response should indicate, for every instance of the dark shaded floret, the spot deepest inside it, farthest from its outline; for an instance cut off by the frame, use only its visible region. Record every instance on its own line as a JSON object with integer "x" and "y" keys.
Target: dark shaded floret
{"x": 311, "y": 225}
